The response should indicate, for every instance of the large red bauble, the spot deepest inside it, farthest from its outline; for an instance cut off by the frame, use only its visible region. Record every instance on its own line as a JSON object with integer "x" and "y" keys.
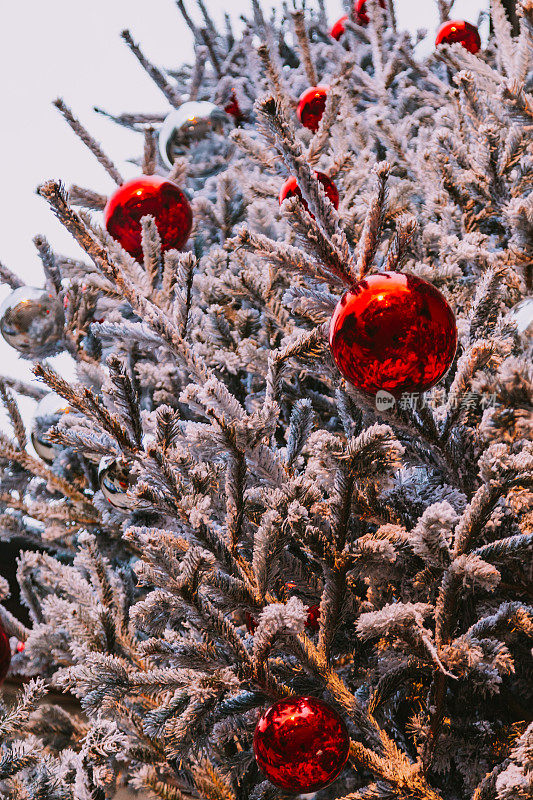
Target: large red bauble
{"x": 459, "y": 31}
{"x": 149, "y": 194}
{"x": 311, "y": 106}
{"x": 393, "y": 331}
{"x": 301, "y": 744}
{"x": 360, "y": 12}
{"x": 5, "y": 653}
{"x": 291, "y": 189}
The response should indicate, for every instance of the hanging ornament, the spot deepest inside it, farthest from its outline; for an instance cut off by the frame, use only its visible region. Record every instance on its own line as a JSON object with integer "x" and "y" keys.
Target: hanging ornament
{"x": 114, "y": 479}
{"x": 313, "y": 617}
{"x": 360, "y": 11}
{"x": 50, "y": 409}
{"x": 291, "y": 189}
{"x": 301, "y": 744}
{"x": 360, "y": 15}
{"x": 251, "y": 622}
{"x": 459, "y": 31}
{"x": 32, "y": 321}
{"x": 311, "y": 106}
{"x": 233, "y": 108}
{"x": 5, "y": 654}
{"x": 521, "y": 316}
{"x": 339, "y": 27}
{"x": 149, "y": 194}
{"x": 393, "y": 332}
{"x": 189, "y": 123}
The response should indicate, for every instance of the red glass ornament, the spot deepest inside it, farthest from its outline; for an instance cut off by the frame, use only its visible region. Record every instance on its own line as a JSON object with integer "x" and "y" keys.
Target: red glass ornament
{"x": 149, "y": 194}
{"x": 301, "y": 744}
{"x": 395, "y": 332}
{"x": 459, "y": 31}
{"x": 339, "y": 27}
{"x": 21, "y": 646}
{"x": 313, "y": 617}
{"x": 311, "y": 106}
{"x": 361, "y": 17}
{"x": 291, "y": 189}
{"x": 233, "y": 107}
{"x": 5, "y": 654}
{"x": 360, "y": 11}
{"x": 251, "y": 622}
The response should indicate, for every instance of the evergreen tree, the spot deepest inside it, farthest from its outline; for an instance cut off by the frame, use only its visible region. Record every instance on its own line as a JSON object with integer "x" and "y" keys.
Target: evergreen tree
{"x": 216, "y": 519}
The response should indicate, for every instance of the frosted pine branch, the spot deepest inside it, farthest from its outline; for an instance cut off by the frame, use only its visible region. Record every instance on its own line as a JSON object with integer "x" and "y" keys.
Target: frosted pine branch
{"x": 88, "y": 141}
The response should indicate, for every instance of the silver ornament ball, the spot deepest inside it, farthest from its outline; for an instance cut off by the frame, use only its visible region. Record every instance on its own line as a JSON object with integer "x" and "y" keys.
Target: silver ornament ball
{"x": 114, "y": 479}
{"x": 521, "y": 316}
{"x": 190, "y": 122}
{"x": 51, "y": 407}
{"x": 32, "y": 321}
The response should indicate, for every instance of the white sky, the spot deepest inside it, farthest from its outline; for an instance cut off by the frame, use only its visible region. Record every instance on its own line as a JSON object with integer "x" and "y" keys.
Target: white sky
{"x": 73, "y": 49}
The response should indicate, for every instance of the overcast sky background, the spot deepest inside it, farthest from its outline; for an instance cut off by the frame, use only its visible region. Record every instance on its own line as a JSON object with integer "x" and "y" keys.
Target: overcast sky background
{"x": 73, "y": 49}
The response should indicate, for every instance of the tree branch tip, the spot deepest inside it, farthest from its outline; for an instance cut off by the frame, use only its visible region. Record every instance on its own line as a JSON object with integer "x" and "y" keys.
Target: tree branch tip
{"x": 382, "y": 169}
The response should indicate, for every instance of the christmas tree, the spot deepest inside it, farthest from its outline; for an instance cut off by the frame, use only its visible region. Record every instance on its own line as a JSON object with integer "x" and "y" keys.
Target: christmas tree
{"x": 276, "y": 537}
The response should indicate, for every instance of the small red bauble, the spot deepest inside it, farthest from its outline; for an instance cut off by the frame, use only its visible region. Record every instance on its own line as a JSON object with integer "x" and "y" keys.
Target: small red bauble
{"x": 360, "y": 15}
{"x": 311, "y": 106}
{"x": 313, "y": 617}
{"x": 360, "y": 12}
{"x": 301, "y": 744}
{"x": 5, "y": 654}
{"x": 251, "y": 622}
{"x": 291, "y": 189}
{"x": 393, "y": 331}
{"x": 149, "y": 194}
{"x": 459, "y": 31}
{"x": 339, "y": 27}
{"x": 233, "y": 107}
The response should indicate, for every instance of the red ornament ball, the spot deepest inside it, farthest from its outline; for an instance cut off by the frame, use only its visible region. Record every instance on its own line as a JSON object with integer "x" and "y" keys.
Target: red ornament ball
{"x": 459, "y": 31}
{"x": 361, "y": 17}
{"x": 5, "y": 654}
{"x": 301, "y": 744}
{"x": 291, "y": 189}
{"x": 360, "y": 12}
{"x": 149, "y": 194}
{"x": 313, "y": 617}
{"x": 311, "y": 106}
{"x": 233, "y": 107}
{"x": 251, "y": 622}
{"x": 339, "y": 27}
{"x": 395, "y": 332}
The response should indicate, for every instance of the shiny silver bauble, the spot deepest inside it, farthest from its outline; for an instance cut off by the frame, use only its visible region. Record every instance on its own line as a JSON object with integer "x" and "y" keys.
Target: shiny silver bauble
{"x": 521, "y": 316}
{"x": 189, "y": 123}
{"x": 114, "y": 479}
{"x": 50, "y": 408}
{"x": 32, "y": 321}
